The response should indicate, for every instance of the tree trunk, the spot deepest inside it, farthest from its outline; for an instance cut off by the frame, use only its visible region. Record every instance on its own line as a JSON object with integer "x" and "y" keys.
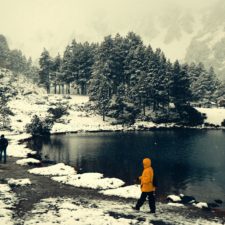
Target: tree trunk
{"x": 103, "y": 116}
{"x": 68, "y": 88}
{"x": 55, "y": 88}
{"x": 144, "y": 108}
{"x": 48, "y": 89}
{"x": 59, "y": 89}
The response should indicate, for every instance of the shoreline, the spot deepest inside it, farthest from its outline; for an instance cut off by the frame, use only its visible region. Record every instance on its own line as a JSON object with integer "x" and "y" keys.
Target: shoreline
{"x": 44, "y": 187}
{"x": 87, "y": 194}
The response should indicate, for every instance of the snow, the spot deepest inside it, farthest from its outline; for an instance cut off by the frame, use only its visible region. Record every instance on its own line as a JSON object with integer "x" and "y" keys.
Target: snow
{"x": 96, "y": 212}
{"x": 214, "y": 115}
{"x": 132, "y": 191}
{"x": 25, "y": 162}
{"x": 59, "y": 169}
{"x": 175, "y": 204}
{"x": 7, "y": 200}
{"x": 174, "y": 198}
{"x": 201, "y": 205}
{"x": 17, "y": 150}
{"x": 19, "y": 182}
{"x": 90, "y": 180}
{"x": 71, "y": 212}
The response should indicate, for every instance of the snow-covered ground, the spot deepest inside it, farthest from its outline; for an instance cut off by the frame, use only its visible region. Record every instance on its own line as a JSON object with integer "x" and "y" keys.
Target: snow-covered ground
{"x": 214, "y": 115}
{"x": 19, "y": 182}
{"x": 32, "y": 100}
{"x": 68, "y": 211}
{"x": 7, "y": 201}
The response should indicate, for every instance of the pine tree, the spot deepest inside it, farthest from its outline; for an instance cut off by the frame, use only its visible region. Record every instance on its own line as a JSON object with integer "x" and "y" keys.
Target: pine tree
{"x": 4, "y": 52}
{"x": 180, "y": 85}
{"x": 134, "y": 64}
{"x": 45, "y": 69}
{"x": 55, "y": 72}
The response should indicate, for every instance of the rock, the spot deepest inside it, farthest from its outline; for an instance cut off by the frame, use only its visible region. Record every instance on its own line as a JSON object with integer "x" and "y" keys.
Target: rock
{"x": 218, "y": 201}
{"x": 188, "y": 199}
{"x": 40, "y": 102}
{"x": 213, "y": 205}
{"x": 28, "y": 93}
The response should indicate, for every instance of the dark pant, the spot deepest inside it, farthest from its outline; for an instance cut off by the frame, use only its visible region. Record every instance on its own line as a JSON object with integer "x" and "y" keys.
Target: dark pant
{"x": 3, "y": 151}
{"x": 151, "y": 201}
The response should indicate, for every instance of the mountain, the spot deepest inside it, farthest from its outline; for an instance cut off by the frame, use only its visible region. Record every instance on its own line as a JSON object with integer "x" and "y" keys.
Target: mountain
{"x": 208, "y": 45}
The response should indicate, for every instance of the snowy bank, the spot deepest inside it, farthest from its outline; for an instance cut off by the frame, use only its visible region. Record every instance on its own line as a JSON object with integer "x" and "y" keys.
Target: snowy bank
{"x": 27, "y": 161}
{"x": 59, "y": 169}
{"x": 132, "y": 191}
{"x": 90, "y": 180}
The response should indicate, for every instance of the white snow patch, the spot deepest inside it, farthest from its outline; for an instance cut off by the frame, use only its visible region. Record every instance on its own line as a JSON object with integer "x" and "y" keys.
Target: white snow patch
{"x": 174, "y": 198}
{"x": 24, "y": 162}
{"x": 132, "y": 191}
{"x": 59, "y": 169}
{"x": 19, "y": 182}
{"x": 90, "y": 180}
{"x": 17, "y": 150}
{"x": 176, "y": 204}
{"x": 214, "y": 115}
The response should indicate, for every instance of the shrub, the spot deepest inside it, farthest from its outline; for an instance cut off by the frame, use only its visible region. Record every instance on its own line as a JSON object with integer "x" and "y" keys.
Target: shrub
{"x": 39, "y": 127}
{"x": 223, "y": 123}
{"x": 59, "y": 111}
{"x": 165, "y": 116}
{"x": 190, "y": 116}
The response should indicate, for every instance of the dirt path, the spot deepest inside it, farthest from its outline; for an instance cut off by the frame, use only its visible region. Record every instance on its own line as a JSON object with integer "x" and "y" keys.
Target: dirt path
{"x": 43, "y": 187}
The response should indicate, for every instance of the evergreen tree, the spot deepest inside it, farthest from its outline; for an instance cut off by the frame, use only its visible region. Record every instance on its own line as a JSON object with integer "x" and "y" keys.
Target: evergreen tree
{"x": 134, "y": 64}
{"x": 45, "y": 62}
{"x": 4, "y": 52}
{"x": 180, "y": 85}
{"x": 55, "y": 72}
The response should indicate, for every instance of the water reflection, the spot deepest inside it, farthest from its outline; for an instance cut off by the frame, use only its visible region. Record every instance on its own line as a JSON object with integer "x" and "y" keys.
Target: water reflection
{"x": 185, "y": 160}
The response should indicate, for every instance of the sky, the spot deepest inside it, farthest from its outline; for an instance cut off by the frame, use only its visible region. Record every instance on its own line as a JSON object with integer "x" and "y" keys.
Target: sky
{"x": 31, "y": 25}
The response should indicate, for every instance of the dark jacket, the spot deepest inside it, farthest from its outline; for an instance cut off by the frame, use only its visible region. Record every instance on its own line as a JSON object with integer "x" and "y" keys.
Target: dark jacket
{"x": 3, "y": 143}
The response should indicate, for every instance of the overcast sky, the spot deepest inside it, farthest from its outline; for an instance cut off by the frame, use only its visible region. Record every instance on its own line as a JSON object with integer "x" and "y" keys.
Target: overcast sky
{"x": 31, "y": 25}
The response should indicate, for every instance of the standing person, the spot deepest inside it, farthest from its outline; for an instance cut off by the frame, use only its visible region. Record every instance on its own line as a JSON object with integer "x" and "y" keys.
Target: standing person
{"x": 3, "y": 147}
{"x": 147, "y": 187}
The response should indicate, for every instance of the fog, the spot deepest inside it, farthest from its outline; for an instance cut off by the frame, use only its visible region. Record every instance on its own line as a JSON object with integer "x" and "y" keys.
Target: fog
{"x": 31, "y": 25}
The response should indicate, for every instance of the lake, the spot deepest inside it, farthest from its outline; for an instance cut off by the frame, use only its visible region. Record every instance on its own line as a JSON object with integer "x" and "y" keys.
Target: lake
{"x": 186, "y": 161}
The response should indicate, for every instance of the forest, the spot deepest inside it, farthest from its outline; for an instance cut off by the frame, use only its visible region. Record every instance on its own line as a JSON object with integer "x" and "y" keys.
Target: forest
{"x": 126, "y": 79}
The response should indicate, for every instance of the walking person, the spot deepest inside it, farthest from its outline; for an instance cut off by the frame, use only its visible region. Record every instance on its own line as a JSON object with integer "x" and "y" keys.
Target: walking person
{"x": 147, "y": 187}
{"x": 3, "y": 147}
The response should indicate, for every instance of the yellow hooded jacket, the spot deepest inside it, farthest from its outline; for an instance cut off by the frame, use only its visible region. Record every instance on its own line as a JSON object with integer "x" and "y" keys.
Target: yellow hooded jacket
{"x": 147, "y": 177}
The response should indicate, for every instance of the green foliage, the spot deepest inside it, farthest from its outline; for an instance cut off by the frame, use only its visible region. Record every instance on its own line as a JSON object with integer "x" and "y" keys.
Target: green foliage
{"x": 190, "y": 116}
{"x": 15, "y": 61}
{"x": 38, "y": 127}
{"x": 58, "y": 111}
{"x": 46, "y": 64}
{"x": 165, "y": 116}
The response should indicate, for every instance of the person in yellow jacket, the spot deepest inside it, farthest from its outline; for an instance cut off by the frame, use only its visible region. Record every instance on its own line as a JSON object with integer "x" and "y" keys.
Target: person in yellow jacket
{"x": 147, "y": 187}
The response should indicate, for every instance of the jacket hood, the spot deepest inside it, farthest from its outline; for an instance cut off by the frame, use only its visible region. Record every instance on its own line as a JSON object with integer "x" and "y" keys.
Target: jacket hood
{"x": 146, "y": 162}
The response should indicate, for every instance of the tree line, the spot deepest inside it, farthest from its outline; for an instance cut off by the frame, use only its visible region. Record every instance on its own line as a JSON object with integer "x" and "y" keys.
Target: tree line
{"x": 15, "y": 61}
{"x": 125, "y": 77}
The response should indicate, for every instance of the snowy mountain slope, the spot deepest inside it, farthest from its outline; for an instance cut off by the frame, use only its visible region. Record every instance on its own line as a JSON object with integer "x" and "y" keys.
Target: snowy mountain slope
{"x": 208, "y": 45}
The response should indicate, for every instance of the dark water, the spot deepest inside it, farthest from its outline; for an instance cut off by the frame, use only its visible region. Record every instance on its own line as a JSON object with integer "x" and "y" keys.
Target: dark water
{"x": 186, "y": 161}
